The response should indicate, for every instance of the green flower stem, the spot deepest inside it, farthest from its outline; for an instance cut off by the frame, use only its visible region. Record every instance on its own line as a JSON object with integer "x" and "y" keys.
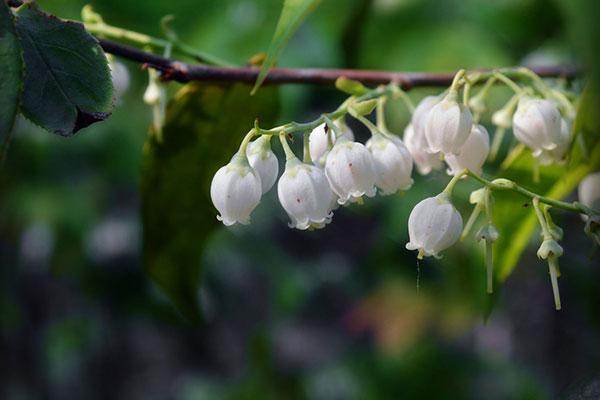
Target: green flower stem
{"x": 380, "y": 114}
{"x": 466, "y": 93}
{"x": 496, "y": 143}
{"x": 482, "y": 94}
{"x": 245, "y": 141}
{"x": 541, "y": 219}
{"x": 450, "y": 187}
{"x": 374, "y": 130}
{"x": 289, "y": 154}
{"x": 456, "y": 82}
{"x": 508, "y": 82}
{"x": 306, "y": 156}
{"x": 471, "y": 221}
{"x": 102, "y": 29}
{"x": 331, "y": 126}
{"x": 505, "y": 184}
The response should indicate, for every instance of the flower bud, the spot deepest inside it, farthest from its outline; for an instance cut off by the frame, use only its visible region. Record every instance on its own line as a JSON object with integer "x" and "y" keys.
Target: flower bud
{"x": 537, "y": 124}
{"x": 549, "y": 248}
{"x": 235, "y": 191}
{"x": 448, "y": 126}
{"x": 318, "y": 143}
{"x": 433, "y": 225}
{"x": 417, "y": 146}
{"x": 472, "y": 153}
{"x": 589, "y": 191}
{"x": 393, "y": 163}
{"x": 350, "y": 171}
{"x": 504, "y": 182}
{"x": 502, "y": 118}
{"x": 305, "y": 195}
{"x": 264, "y": 161}
{"x": 477, "y": 104}
{"x": 478, "y": 196}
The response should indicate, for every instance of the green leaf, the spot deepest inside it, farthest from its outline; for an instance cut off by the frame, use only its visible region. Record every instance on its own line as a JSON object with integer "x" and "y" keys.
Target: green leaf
{"x": 292, "y": 15}
{"x": 517, "y": 223}
{"x": 204, "y": 126}
{"x": 11, "y": 70}
{"x": 67, "y": 81}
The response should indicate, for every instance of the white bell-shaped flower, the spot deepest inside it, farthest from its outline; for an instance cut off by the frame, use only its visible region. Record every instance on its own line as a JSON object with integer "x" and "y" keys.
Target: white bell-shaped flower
{"x": 589, "y": 191}
{"x": 264, "y": 161}
{"x": 235, "y": 191}
{"x": 472, "y": 154}
{"x": 305, "y": 195}
{"x": 433, "y": 225}
{"x": 318, "y": 141}
{"x": 350, "y": 171}
{"x": 537, "y": 124}
{"x": 393, "y": 163}
{"x": 559, "y": 153}
{"x": 417, "y": 146}
{"x": 419, "y": 117}
{"x": 448, "y": 126}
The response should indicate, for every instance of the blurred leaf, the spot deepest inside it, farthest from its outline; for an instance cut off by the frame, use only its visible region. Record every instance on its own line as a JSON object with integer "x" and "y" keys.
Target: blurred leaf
{"x": 67, "y": 81}
{"x": 11, "y": 70}
{"x": 292, "y": 15}
{"x": 517, "y": 223}
{"x": 204, "y": 126}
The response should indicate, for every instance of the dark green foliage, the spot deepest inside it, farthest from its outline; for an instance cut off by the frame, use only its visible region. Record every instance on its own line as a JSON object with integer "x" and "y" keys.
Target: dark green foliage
{"x": 67, "y": 80}
{"x": 205, "y": 123}
{"x": 11, "y": 70}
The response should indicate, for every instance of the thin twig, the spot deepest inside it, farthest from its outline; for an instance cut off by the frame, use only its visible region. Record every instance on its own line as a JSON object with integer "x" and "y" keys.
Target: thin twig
{"x": 184, "y": 72}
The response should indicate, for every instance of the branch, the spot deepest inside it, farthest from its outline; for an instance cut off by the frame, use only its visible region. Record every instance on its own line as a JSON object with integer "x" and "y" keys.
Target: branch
{"x": 184, "y": 72}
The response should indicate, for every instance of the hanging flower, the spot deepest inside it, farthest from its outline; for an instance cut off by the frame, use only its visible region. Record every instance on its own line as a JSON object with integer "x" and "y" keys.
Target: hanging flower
{"x": 417, "y": 146}
{"x": 589, "y": 191}
{"x": 235, "y": 191}
{"x": 350, "y": 171}
{"x": 448, "y": 126}
{"x": 537, "y": 124}
{"x": 433, "y": 226}
{"x": 264, "y": 161}
{"x": 472, "y": 154}
{"x": 392, "y": 162}
{"x": 559, "y": 153}
{"x": 319, "y": 141}
{"x": 305, "y": 195}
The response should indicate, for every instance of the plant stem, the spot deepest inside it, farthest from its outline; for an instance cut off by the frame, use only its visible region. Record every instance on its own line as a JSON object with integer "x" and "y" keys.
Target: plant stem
{"x": 505, "y": 184}
{"x": 107, "y": 31}
{"x": 289, "y": 154}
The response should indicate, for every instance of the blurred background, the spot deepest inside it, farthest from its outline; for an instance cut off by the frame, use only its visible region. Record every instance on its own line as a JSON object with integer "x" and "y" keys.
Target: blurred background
{"x": 340, "y": 313}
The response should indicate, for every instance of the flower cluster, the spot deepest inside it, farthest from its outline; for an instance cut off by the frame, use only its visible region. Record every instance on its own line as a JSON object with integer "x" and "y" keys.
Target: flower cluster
{"x": 338, "y": 171}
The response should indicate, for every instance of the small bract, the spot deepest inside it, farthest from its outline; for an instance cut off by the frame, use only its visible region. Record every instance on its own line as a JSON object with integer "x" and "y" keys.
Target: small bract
{"x": 305, "y": 195}
{"x": 537, "y": 124}
{"x": 235, "y": 191}
{"x": 350, "y": 171}
{"x": 448, "y": 126}
{"x": 393, "y": 163}
{"x": 264, "y": 161}
{"x": 433, "y": 226}
{"x": 472, "y": 154}
{"x": 318, "y": 141}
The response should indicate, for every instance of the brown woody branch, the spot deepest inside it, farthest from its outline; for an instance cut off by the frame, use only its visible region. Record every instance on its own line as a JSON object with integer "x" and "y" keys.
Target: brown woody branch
{"x": 183, "y": 72}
